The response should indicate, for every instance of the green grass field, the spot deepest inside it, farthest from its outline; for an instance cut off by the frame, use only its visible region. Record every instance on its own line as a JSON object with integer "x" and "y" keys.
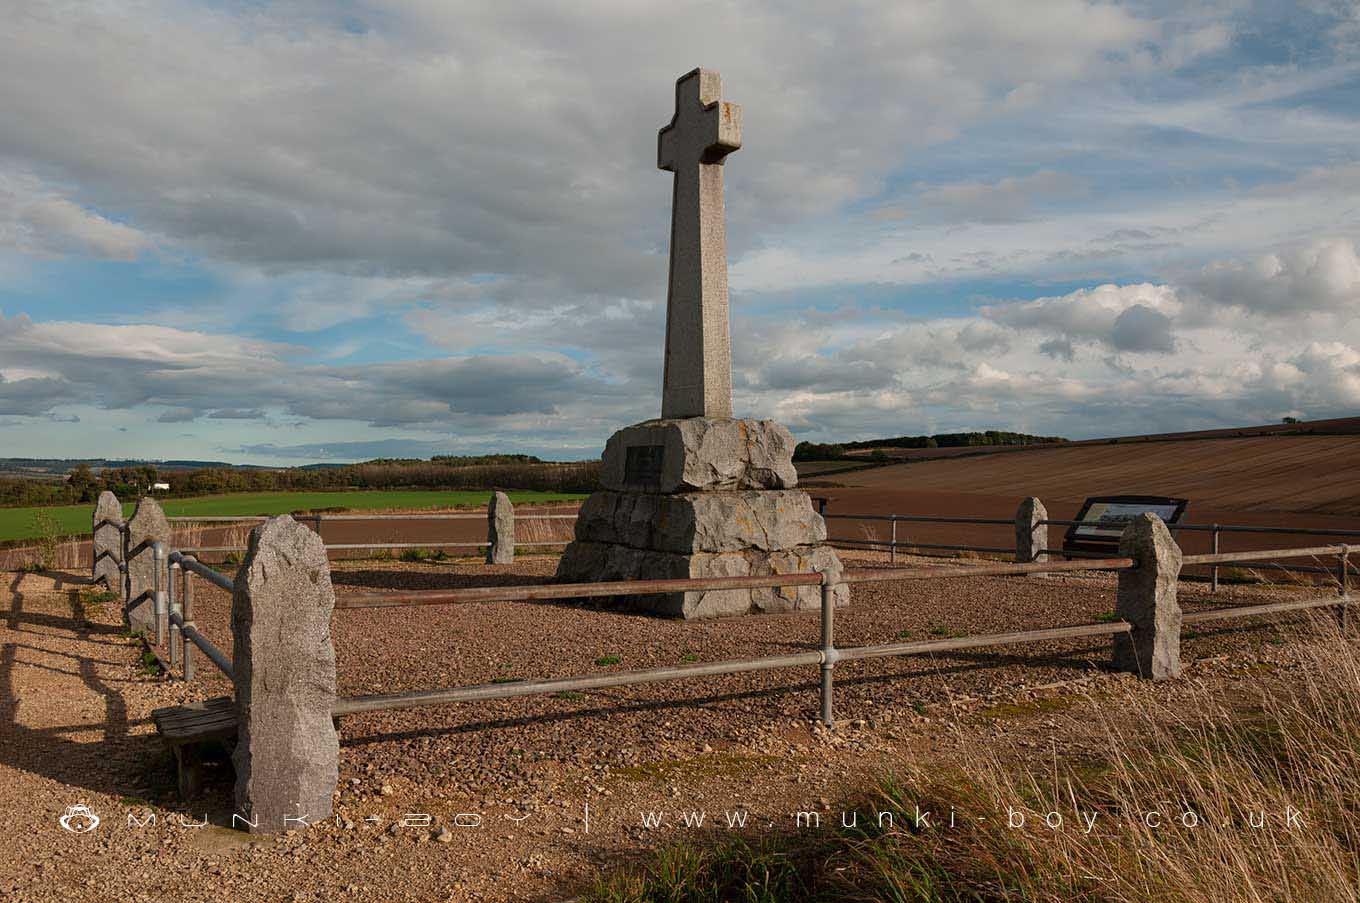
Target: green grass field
{"x": 17, "y": 523}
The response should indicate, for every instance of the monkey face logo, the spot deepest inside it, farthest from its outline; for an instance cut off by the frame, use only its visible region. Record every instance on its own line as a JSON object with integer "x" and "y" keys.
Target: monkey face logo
{"x": 79, "y": 819}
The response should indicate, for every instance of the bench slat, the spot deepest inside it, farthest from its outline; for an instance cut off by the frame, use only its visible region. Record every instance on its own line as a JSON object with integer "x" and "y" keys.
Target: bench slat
{"x": 208, "y": 719}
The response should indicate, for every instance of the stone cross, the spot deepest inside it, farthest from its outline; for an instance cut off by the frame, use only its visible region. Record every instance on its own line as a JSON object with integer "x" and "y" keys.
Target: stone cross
{"x": 704, "y": 130}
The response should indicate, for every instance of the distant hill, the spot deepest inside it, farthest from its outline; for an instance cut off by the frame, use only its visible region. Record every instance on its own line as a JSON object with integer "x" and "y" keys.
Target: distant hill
{"x": 880, "y": 451}
{"x": 812, "y": 451}
{"x": 58, "y": 468}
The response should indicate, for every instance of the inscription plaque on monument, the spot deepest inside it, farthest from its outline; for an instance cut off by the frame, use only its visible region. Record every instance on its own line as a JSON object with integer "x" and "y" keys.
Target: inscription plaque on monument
{"x": 642, "y": 465}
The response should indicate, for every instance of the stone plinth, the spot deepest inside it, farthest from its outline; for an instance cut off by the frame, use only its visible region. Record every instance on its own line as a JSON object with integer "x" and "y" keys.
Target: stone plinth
{"x": 287, "y": 751}
{"x": 701, "y": 497}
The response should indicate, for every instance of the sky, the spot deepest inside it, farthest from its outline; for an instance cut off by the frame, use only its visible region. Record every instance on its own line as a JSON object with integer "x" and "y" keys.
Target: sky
{"x": 278, "y": 233}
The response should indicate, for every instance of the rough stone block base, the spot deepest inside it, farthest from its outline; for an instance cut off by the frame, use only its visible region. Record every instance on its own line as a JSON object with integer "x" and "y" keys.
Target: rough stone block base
{"x": 769, "y": 521}
{"x": 699, "y": 453}
{"x": 601, "y": 562}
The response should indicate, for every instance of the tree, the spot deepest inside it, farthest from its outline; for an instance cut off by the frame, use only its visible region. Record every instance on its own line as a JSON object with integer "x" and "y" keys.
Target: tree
{"x": 81, "y": 484}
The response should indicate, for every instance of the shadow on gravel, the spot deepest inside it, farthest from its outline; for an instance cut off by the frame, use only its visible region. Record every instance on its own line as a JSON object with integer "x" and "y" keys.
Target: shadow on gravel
{"x": 63, "y": 578}
{"x": 118, "y": 762}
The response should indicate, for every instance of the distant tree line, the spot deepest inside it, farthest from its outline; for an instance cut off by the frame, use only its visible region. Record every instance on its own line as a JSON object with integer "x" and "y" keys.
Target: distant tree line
{"x": 84, "y": 483}
{"x": 813, "y": 451}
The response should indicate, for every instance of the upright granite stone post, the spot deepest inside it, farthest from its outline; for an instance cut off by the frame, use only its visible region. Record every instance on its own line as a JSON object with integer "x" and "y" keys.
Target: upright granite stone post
{"x": 500, "y": 530}
{"x": 107, "y": 543}
{"x": 287, "y": 750}
{"x": 1031, "y": 534}
{"x": 145, "y": 528}
{"x": 1147, "y": 600}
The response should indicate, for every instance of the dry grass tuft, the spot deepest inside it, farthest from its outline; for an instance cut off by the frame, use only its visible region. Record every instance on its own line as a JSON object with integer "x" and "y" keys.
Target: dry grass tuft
{"x": 1190, "y": 805}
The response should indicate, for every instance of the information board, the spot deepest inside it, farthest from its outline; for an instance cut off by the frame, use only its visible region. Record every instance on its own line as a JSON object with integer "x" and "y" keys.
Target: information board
{"x": 1102, "y": 519}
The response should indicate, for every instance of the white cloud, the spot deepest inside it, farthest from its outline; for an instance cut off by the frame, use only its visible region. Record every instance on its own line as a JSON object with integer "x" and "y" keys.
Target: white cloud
{"x": 466, "y": 138}
{"x": 1321, "y": 275}
{"x": 484, "y": 175}
{"x": 184, "y": 375}
{"x": 1008, "y": 200}
{"x": 1122, "y": 317}
{"x": 36, "y": 221}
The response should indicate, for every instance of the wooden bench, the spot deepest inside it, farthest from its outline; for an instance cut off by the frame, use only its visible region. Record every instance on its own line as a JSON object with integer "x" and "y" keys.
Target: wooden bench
{"x": 186, "y": 728}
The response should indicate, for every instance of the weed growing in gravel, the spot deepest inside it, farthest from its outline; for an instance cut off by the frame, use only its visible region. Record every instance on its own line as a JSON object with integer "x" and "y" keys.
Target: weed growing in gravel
{"x": 904, "y": 634}
{"x": 93, "y": 601}
{"x": 606, "y": 660}
{"x": 689, "y": 658}
{"x": 1188, "y": 805}
{"x": 569, "y": 695}
{"x": 419, "y": 555}
{"x": 507, "y": 680}
{"x": 1106, "y": 617}
{"x": 48, "y": 533}
{"x": 150, "y": 665}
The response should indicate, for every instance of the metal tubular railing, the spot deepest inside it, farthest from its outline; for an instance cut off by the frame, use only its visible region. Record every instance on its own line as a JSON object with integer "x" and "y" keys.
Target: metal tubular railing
{"x": 180, "y": 616}
{"x": 386, "y": 702}
{"x": 215, "y": 655}
{"x": 1238, "y": 557}
{"x": 547, "y": 592}
{"x": 189, "y": 563}
{"x": 1215, "y": 530}
{"x": 1231, "y": 528}
{"x": 926, "y": 518}
{"x": 893, "y": 546}
{"x": 252, "y": 518}
{"x": 826, "y": 657}
{"x": 1244, "y": 611}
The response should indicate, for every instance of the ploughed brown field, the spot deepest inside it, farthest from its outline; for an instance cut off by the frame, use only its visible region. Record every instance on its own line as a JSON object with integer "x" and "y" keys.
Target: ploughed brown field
{"x": 1300, "y": 481}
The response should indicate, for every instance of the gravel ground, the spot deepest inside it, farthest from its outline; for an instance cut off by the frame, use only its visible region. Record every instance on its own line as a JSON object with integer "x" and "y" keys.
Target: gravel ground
{"x": 75, "y": 728}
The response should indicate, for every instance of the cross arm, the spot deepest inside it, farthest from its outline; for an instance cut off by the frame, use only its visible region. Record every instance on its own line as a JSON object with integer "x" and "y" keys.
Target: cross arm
{"x": 704, "y": 129}
{"x": 719, "y": 128}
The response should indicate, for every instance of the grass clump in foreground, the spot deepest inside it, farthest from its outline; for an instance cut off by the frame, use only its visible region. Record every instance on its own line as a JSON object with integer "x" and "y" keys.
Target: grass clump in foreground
{"x": 1189, "y": 806}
